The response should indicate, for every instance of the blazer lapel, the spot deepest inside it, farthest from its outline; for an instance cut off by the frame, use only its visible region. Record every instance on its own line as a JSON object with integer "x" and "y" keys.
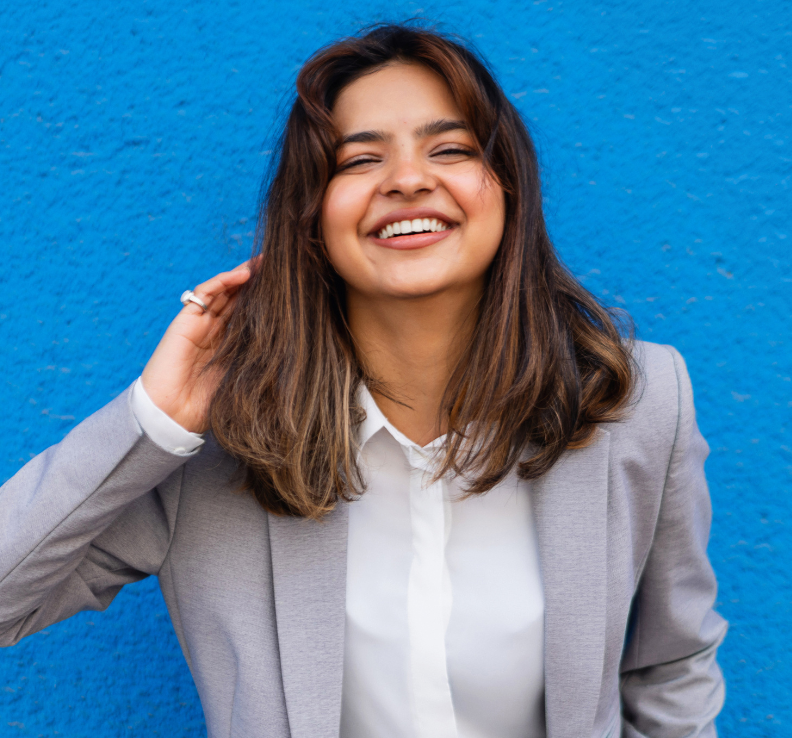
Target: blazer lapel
{"x": 570, "y": 507}
{"x": 309, "y": 579}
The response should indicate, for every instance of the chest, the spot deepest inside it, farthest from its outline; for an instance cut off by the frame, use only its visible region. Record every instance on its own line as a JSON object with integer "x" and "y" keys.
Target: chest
{"x": 444, "y": 605}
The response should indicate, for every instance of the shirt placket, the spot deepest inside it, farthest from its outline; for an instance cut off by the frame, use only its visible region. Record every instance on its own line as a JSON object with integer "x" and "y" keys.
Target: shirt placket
{"x": 428, "y": 603}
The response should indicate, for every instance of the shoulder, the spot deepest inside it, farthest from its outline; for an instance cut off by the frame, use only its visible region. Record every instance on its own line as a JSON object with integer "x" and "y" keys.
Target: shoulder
{"x": 661, "y": 397}
{"x": 659, "y": 366}
{"x": 657, "y": 427}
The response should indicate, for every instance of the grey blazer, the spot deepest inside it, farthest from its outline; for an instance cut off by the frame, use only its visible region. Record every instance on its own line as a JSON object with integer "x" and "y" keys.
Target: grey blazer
{"x": 258, "y": 601}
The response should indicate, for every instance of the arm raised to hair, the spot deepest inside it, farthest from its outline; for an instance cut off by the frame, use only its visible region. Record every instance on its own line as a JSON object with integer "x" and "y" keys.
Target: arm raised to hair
{"x": 671, "y": 685}
{"x": 86, "y": 516}
{"x": 82, "y": 519}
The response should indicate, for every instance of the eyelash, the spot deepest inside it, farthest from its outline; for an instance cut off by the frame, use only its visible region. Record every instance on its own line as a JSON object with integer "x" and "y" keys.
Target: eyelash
{"x": 358, "y": 162}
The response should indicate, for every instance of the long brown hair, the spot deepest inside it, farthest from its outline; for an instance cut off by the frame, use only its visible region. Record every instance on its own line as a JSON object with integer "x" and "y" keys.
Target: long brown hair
{"x": 546, "y": 362}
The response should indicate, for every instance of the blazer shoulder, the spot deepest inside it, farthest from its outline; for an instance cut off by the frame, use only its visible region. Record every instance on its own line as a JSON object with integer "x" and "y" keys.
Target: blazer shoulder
{"x": 661, "y": 392}
{"x": 656, "y": 360}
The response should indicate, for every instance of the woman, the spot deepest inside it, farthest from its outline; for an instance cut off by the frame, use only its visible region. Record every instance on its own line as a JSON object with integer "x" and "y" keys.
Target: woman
{"x": 442, "y": 496}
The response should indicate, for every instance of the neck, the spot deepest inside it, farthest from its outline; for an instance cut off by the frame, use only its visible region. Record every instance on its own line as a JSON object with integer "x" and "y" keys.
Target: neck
{"x": 411, "y": 346}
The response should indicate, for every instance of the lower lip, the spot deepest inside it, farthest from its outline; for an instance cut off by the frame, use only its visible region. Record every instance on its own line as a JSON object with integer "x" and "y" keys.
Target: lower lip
{"x": 412, "y": 240}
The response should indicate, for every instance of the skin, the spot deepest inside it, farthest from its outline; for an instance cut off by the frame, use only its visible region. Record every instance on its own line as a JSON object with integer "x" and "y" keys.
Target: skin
{"x": 410, "y": 309}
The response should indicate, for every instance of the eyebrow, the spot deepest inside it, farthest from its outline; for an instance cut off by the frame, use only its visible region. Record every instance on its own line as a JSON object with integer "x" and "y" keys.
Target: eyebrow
{"x": 432, "y": 128}
{"x": 441, "y": 125}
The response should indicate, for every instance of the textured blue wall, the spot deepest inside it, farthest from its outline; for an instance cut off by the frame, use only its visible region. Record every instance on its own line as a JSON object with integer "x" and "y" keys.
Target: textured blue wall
{"x": 133, "y": 136}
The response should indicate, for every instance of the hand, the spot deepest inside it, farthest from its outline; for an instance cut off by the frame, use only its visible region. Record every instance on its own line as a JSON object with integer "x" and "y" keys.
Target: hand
{"x": 174, "y": 377}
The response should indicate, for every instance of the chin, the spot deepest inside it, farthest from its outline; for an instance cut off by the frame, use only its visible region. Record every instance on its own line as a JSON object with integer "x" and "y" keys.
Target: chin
{"x": 414, "y": 288}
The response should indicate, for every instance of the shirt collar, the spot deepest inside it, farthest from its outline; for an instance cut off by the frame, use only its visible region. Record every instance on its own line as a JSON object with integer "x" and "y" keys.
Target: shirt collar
{"x": 375, "y": 421}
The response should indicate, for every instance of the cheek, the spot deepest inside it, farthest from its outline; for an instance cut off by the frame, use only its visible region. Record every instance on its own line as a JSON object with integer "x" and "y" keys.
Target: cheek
{"x": 486, "y": 208}
{"x": 343, "y": 207}
{"x": 484, "y": 204}
{"x": 498, "y": 211}
{"x": 477, "y": 193}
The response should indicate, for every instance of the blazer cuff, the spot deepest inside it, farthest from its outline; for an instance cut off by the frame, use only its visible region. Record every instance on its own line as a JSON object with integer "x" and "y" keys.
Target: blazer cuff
{"x": 160, "y": 427}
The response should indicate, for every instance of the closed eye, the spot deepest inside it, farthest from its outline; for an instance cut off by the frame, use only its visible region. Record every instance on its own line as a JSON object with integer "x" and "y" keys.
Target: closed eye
{"x": 454, "y": 152}
{"x": 355, "y": 163}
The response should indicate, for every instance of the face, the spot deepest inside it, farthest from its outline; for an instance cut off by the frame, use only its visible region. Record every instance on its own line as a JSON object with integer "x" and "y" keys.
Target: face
{"x": 411, "y": 211}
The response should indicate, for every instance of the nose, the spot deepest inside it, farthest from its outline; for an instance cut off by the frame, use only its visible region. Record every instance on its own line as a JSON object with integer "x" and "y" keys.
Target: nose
{"x": 407, "y": 176}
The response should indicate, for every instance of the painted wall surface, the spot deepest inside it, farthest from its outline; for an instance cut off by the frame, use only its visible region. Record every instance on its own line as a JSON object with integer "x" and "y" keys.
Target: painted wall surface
{"x": 133, "y": 138}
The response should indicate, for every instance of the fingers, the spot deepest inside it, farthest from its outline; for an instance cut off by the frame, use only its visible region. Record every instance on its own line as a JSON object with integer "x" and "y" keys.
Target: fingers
{"x": 224, "y": 282}
{"x": 215, "y": 292}
{"x": 248, "y": 264}
{"x": 215, "y": 306}
{"x": 210, "y": 340}
{"x": 203, "y": 334}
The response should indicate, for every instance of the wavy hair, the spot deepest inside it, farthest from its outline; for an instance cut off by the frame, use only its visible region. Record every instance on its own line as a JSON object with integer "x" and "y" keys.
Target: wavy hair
{"x": 546, "y": 362}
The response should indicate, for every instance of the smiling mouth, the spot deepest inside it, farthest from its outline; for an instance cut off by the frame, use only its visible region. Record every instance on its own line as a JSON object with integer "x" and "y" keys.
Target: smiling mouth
{"x": 417, "y": 225}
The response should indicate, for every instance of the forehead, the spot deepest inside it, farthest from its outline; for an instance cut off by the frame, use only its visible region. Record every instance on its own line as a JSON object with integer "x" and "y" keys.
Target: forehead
{"x": 397, "y": 95}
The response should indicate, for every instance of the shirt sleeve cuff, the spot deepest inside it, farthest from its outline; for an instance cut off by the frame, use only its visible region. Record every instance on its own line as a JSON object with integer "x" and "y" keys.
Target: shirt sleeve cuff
{"x": 160, "y": 427}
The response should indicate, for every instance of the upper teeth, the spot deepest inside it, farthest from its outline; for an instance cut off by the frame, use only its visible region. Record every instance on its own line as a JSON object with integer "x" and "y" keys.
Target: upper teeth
{"x": 418, "y": 225}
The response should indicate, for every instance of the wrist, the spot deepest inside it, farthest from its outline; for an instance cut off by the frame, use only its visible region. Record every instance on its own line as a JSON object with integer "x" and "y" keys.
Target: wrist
{"x": 170, "y": 432}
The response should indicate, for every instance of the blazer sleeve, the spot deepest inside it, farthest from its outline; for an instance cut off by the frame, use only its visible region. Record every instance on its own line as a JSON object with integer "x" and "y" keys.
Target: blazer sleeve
{"x": 82, "y": 519}
{"x": 671, "y": 685}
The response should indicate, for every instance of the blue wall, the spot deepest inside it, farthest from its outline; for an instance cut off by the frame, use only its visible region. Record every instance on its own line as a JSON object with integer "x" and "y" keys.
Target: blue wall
{"x": 133, "y": 136}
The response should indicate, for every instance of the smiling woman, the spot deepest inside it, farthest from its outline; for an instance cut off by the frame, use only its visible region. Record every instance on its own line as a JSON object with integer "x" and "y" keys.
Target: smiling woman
{"x": 422, "y": 157}
{"x": 474, "y": 332}
{"x": 443, "y": 496}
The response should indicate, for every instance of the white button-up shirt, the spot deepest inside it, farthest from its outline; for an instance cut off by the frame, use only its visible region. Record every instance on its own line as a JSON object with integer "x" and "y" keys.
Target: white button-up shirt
{"x": 444, "y": 603}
